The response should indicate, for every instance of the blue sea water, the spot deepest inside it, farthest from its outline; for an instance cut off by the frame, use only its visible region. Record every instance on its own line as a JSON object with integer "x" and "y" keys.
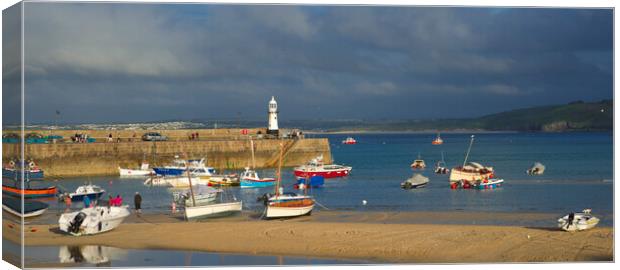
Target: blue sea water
{"x": 579, "y": 175}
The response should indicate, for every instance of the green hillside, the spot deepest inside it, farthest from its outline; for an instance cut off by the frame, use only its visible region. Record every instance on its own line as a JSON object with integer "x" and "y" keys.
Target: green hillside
{"x": 575, "y": 116}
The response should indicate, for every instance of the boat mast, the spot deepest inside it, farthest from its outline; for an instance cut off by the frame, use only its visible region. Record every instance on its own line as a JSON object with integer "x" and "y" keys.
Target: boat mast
{"x": 189, "y": 178}
{"x": 469, "y": 149}
{"x": 252, "y": 148}
{"x": 279, "y": 173}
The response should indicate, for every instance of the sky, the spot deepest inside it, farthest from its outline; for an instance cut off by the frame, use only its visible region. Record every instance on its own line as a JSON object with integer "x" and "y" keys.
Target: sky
{"x": 115, "y": 62}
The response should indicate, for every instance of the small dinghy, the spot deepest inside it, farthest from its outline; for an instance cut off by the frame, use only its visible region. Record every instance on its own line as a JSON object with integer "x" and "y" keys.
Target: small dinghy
{"x": 536, "y": 169}
{"x": 578, "y": 221}
{"x": 416, "y": 181}
{"x": 93, "y": 220}
{"x": 488, "y": 183}
{"x": 31, "y": 208}
{"x": 93, "y": 192}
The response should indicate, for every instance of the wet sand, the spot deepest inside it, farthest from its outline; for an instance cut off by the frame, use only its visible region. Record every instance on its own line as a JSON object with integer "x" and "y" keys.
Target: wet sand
{"x": 400, "y": 237}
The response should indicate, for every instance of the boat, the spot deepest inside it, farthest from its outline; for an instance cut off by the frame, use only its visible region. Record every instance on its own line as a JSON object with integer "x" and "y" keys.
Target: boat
{"x": 578, "y": 221}
{"x": 250, "y": 179}
{"x": 441, "y": 167}
{"x": 488, "y": 183}
{"x": 175, "y": 182}
{"x": 32, "y": 208}
{"x": 144, "y": 170}
{"x": 196, "y": 166}
{"x": 231, "y": 180}
{"x": 29, "y": 192}
{"x": 313, "y": 182}
{"x": 437, "y": 140}
{"x": 418, "y": 163}
{"x": 13, "y": 170}
{"x": 349, "y": 140}
{"x": 416, "y": 181}
{"x": 194, "y": 210}
{"x": 471, "y": 171}
{"x": 536, "y": 169}
{"x": 210, "y": 210}
{"x": 93, "y": 192}
{"x": 288, "y": 204}
{"x": 93, "y": 220}
{"x": 202, "y": 195}
{"x": 316, "y": 167}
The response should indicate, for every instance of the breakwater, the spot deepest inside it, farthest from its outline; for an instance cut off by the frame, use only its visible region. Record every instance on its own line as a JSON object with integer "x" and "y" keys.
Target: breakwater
{"x": 104, "y": 158}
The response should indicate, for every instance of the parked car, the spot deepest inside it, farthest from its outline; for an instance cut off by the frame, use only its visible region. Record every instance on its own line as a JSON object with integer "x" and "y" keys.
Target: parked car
{"x": 154, "y": 136}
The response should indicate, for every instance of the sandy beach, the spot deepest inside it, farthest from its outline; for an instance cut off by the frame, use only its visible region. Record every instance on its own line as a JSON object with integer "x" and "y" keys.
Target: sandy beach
{"x": 373, "y": 237}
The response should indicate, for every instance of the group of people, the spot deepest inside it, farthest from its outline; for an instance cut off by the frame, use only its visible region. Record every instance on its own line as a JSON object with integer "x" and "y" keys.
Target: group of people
{"x": 79, "y": 138}
{"x": 193, "y": 136}
{"x": 117, "y": 201}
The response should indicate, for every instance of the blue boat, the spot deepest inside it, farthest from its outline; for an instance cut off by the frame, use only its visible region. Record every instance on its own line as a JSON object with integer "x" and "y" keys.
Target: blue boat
{"x": 250, "y": 179}
{"x": 314, "y": 181}
{"x": 168, "y": 171}
{"x": 93, "y": 192}
{"x": 13, "y": 170}
{"x": 31, "y": 208}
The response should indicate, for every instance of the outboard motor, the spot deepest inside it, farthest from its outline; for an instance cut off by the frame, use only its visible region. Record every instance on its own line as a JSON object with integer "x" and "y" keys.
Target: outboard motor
{"x": 74, "y": 226}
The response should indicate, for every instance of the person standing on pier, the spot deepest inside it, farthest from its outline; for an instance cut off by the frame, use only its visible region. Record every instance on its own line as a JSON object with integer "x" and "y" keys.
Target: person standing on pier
{"x": 137, "y": 201}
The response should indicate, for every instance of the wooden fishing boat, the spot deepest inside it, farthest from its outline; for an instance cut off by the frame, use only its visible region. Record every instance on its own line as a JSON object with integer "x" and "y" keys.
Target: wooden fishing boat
{"x": 31, "y": 208}
{"x": 472, "y": 171}
{"x": 316, "y": 167}
{"x": 288, "y": 204}
{"x": 29, "y": 192}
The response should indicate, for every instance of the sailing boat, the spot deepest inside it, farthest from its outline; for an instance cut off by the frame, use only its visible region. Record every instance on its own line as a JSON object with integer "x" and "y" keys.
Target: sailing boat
{"x": 250, "y": 179}
{"x": 286, "y": 204}
{"x": 471, "y": 172}
{"x": 195, "y": 210}
{"x": 438, "y": 140}
{"x": 440, "y": 167}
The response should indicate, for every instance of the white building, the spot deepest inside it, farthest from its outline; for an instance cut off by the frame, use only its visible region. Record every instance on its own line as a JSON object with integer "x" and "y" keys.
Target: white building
{"x": 273, "y": 117}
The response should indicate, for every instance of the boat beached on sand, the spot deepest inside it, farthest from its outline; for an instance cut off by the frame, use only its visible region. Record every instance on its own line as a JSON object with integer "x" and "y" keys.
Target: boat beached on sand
{"x": 281, "y": 204}
{"x": 316, "y": 167}
{"x": 32, "y": 208}
{"x": 93, "y": 220}
{"x": 578, "y": 221}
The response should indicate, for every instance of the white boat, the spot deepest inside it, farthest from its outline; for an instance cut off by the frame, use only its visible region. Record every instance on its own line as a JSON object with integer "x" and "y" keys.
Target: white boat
{"x": 536, "y": 169}
{"x": 471, "y": 171}
{"x": 144, "y": 170}
{"x": 201, "y": 195}
{"x": 93, "y": 220}
{"x": 416, "y": 181}
{"x": 286, "y": 204}
{"x": 578, "y": 221}
{"x": 209, "y": 210}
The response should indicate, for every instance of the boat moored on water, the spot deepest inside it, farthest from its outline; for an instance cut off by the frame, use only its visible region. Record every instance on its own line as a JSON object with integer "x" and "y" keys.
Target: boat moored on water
{"x": 472, "y": 171}
{"x": 418, "y": 164}
{"x": 316, "y": 167}
{"x": 578, "y": 221}
{"x": 437, "y": 140}
{"x": 349, "y": 140}
{"x": 13, "y": 170}
{"x": 416, "y": 181}
{"x": 536, "y": 169}
{"x": 93, "y": 220}
{"x": 249, "y": 179}
{"x": 197, "y": 167}
{"x": 93, "y": 192}
{"x": 32, "y": 208}
{"x": 144, "y": 170}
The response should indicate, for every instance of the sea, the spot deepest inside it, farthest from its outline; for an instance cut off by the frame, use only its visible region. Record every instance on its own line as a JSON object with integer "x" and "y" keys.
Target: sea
{"x": 578, "y": 175}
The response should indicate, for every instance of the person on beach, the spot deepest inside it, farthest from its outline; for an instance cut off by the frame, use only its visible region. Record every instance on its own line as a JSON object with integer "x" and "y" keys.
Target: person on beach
{"x": 110, "y": 201}
{"x": 110, "y": 137}
{"x": 119, "y": 200}
{"x": 137, "y": 201}
{"x": 86, "y": 202}
{"x": 67, "y": 203}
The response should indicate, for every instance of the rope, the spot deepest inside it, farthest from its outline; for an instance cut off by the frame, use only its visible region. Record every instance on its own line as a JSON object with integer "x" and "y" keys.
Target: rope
{"x": 317, "y": 202}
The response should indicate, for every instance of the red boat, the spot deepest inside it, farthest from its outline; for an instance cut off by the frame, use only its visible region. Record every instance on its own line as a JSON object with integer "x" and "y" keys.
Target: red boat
{"x": 316, "y": 167}
{"x": 349, "y": 140}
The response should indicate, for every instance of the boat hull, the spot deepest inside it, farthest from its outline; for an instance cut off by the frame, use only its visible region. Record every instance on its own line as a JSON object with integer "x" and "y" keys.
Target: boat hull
{"x": 91, "y": 196}
{"x": 581, "y": 222}
{"x": 131, "y": 173}
{"x": 16, "y": 174}
{"x": 31, "y": 208}
{"x": 30, "y": 192}
{"x": 458, "y": 175}
{"x": 211, "y": 210}
{"x": 281, "y": 212}
{"x": 247, "y": 183}
{"x": 325, "y": 173}
{"x": 98, "y": 220}
{"x": 169, "y": 171}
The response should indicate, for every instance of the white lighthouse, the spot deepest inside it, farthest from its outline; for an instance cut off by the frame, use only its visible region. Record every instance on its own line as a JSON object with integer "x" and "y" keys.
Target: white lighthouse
{"x": 273, "y": 117}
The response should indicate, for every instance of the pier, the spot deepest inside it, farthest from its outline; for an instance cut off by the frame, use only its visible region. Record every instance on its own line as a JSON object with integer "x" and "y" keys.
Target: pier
{"x": 223, "y": 148}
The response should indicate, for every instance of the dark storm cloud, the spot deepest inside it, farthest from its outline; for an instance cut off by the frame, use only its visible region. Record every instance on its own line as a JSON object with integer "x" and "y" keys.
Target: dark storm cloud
{"x": 130, "y": 62}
